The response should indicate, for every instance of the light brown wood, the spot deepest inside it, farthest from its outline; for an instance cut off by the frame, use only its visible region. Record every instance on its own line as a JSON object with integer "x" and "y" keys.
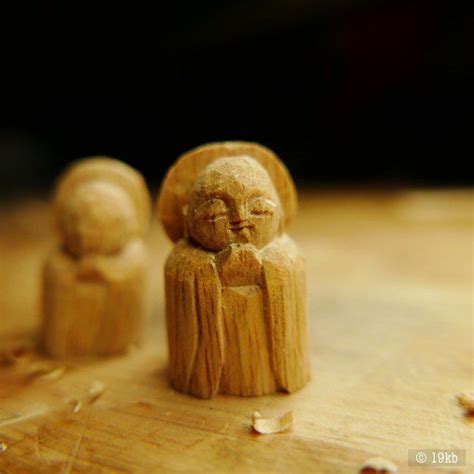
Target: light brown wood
{"x": 235, "y": 283}
{"x": 181, "y": 177}
{"x": 94, "y": 282}
{"x": 390, "y": 316}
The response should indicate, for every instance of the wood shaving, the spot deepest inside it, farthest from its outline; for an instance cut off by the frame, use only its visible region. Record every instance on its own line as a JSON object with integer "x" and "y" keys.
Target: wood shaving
{"x": 76, "y": 405}
{"x": 466, "y": 400}
{"x": 378, "y": 466}
{"x": 34, "y": 411}
{"x": 48, "y": 372}
{"x": 14, "y": 354}
{"x": 96, "y": 390}
{"x": 271, "y": 425}
{"x": 3, "y": 447}
{"x": 9, "y": 419}
{"x": 8, "y": 357}
{"x": 43, "y": 369}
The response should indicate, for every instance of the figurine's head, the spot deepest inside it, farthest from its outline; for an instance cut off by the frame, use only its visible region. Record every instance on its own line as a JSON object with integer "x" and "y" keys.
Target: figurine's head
{"x": 233, "y": 201}
{"x": 224, "y": 193}
{"x": 100, "y": 205}
{"x": 97, "y": 217}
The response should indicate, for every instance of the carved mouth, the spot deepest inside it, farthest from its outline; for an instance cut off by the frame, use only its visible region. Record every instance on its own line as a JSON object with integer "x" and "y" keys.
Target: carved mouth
{"x": 241, "y": 226}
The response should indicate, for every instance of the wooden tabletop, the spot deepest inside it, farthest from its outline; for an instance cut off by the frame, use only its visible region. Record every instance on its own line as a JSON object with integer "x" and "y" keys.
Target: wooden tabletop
{"x": 390, "y": 282}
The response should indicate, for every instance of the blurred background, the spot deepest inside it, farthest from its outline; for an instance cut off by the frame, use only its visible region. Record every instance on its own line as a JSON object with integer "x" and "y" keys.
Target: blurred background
{"x": 346, "y": 92}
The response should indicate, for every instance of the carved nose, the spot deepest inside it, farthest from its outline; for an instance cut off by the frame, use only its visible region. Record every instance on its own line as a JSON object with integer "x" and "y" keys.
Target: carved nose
{"x": 238, "y": 216}
{"x": 238, "y": 222}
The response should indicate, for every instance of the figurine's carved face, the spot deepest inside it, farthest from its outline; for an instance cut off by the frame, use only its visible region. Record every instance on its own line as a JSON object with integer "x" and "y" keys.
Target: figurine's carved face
{"x": 96, "y": 218}
{"x": 233, "y": 201}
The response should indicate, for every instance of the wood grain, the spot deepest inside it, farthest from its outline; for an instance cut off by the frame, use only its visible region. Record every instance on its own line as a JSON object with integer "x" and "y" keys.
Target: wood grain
{"x": 235, "y": 282}
{"x": 390, "y": 297}
{"x": 94, "y": 281}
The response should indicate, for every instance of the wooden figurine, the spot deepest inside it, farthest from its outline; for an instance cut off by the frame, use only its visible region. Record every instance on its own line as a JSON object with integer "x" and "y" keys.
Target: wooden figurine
{"x": 93, "y": 284}
{"x": 235, "y": 283}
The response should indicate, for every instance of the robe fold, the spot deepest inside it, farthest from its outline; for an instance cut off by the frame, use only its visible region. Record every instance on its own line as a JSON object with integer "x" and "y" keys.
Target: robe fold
{"x": 204, "y": 355}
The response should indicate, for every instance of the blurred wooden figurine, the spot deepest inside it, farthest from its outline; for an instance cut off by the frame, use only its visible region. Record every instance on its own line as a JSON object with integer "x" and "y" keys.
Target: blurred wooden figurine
{"x": 93, "y": 284}
{"x": 235, "y": 284}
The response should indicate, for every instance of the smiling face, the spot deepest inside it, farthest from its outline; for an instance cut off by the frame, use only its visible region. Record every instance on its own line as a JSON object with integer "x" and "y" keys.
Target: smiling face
{"x": 233, "y": 201}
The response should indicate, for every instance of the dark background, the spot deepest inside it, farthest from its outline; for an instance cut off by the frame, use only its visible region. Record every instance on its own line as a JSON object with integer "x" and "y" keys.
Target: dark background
{"x": 346, "y": 92}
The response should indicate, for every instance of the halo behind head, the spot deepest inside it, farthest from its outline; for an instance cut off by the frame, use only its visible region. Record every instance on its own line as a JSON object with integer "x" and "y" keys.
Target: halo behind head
{"x": 181, "y": 176}
{"x": 110, "y": 170}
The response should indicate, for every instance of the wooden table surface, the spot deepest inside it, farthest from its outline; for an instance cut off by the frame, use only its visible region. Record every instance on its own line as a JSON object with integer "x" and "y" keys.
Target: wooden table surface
{"x": 390, "y": 304}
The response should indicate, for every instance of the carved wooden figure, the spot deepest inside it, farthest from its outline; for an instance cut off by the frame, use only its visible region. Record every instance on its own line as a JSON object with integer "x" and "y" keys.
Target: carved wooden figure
{"x": 235, "y": 283}
{"x": 93, "y": 283}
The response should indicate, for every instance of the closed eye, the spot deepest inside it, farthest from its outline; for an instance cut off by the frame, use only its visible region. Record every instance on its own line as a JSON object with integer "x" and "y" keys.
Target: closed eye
{"x": 215, "y": 217}
{"x": 211, "y": 210}
{"x": 262, "y": 212}
{"x": 262, "y": 208}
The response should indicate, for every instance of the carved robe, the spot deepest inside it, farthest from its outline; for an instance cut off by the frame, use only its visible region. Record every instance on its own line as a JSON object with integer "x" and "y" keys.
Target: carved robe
{"x": 236, "y": 319}
{"x": 95, "y": 305}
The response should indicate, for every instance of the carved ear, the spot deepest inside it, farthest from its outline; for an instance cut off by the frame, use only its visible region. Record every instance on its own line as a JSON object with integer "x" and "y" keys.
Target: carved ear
{"x": 181, "y": 176}
{"x": 283, "y": 222}
{"x": 184, "y": 212}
